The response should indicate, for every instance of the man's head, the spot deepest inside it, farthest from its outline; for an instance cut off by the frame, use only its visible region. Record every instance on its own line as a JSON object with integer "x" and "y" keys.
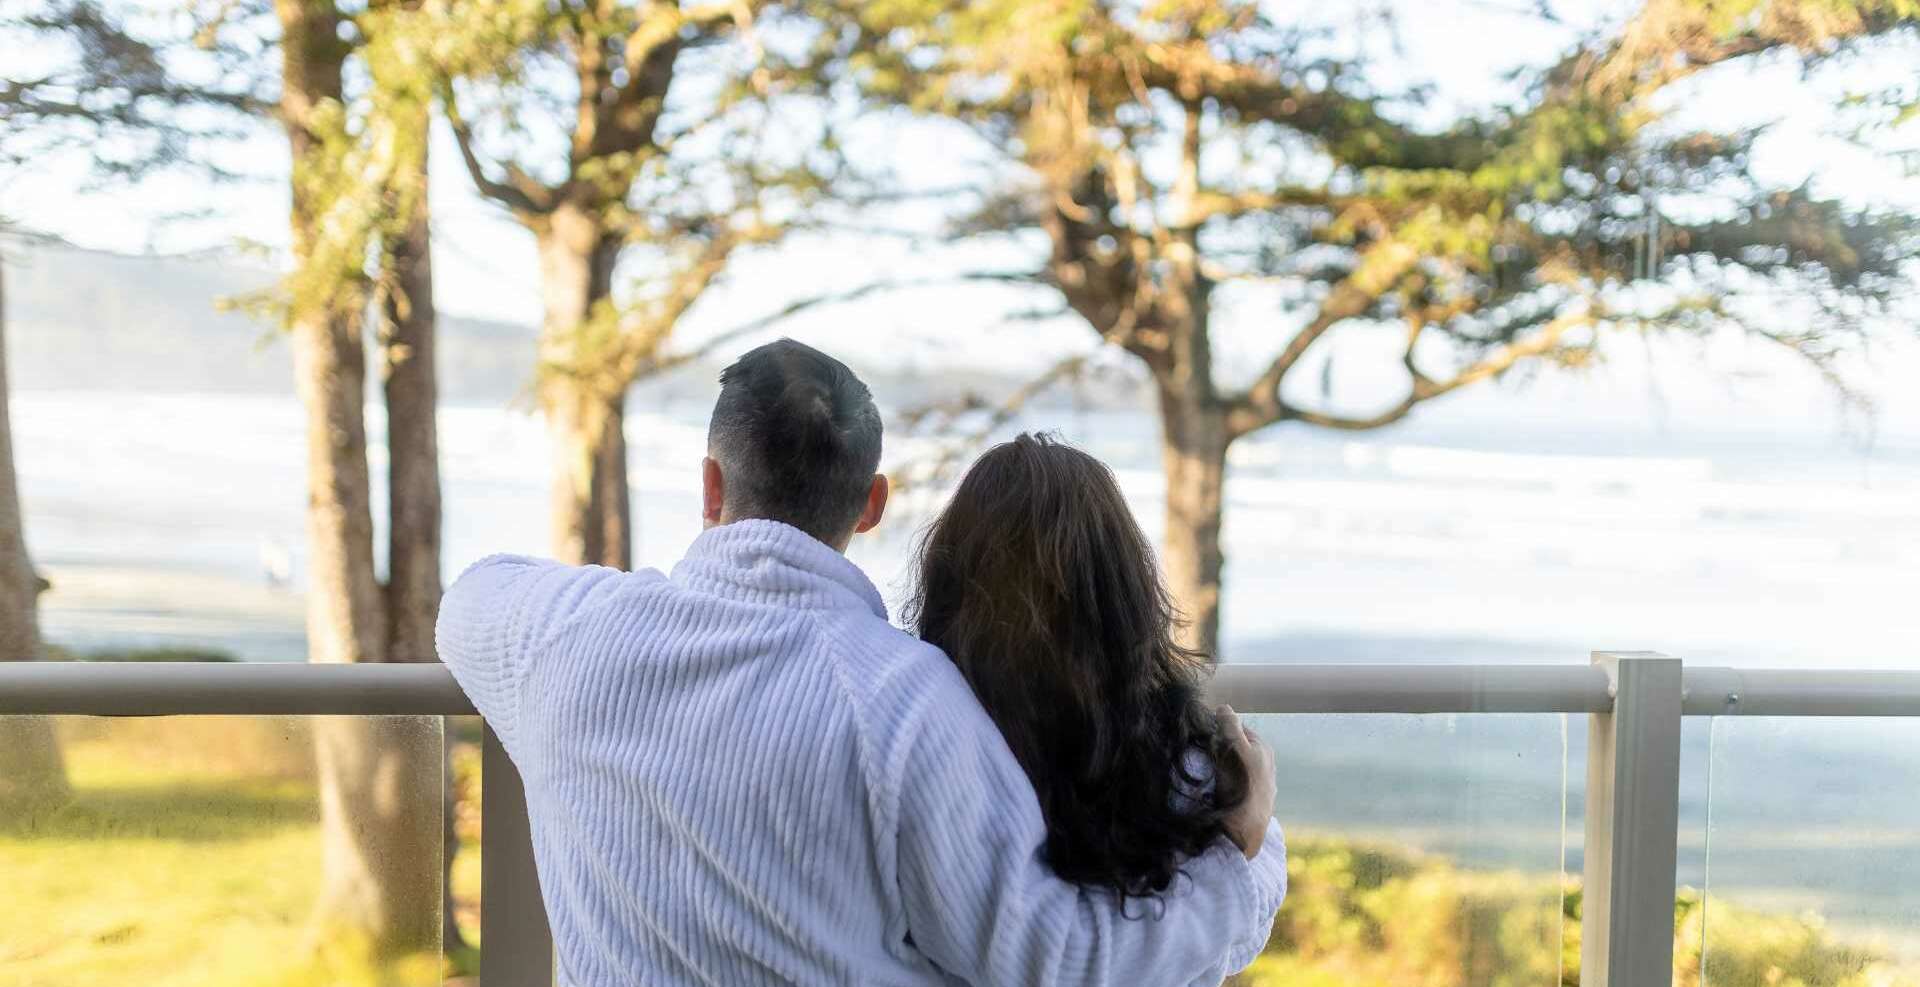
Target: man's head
{"x": 795, "y": 438}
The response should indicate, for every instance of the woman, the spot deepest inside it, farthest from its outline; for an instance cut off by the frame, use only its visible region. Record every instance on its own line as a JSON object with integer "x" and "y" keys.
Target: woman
{"x": 1038, "y": 584}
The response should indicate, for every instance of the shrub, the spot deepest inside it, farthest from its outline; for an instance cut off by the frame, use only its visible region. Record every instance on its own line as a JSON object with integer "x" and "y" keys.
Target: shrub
{"x": 1361, "y": 915}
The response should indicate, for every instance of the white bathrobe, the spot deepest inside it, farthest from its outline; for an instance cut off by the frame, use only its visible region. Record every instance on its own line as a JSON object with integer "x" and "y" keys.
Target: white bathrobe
{"x": 741, "y": 774}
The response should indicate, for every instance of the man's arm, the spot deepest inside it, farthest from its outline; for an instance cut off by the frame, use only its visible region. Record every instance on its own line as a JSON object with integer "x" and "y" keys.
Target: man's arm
{"x": 982, "y": 904}
{"x": 493, "y": 620}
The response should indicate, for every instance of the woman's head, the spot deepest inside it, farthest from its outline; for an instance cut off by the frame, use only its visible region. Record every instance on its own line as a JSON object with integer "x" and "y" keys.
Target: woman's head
{"x": 1039, "y": 584}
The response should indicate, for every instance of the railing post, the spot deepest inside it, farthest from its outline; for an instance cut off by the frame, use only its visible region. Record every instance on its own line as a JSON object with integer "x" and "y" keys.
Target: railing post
{"x": 1633, "y": 823}
{"x": 516, "y": 946}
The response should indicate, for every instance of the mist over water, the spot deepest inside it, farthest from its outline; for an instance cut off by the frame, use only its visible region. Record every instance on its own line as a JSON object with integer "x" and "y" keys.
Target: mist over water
{"x": 173, "y": 519}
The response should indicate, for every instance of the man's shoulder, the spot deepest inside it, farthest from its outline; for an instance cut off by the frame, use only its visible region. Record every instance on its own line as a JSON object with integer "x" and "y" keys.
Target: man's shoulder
{"x": 540, "y": 577}
{"x": 901, "y": 686}
{"x": 877, "y": 655}
{"x": 553, "y": 599}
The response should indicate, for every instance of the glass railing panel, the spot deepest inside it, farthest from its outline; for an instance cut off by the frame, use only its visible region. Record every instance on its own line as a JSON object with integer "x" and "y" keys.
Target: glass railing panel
{"x": 216, "y": 851}
{"x": 1423, "y": 850}
{"x": 1691, "y": 851}
{"x": 465, "y": 781}
{"x": 1813, "y": 854}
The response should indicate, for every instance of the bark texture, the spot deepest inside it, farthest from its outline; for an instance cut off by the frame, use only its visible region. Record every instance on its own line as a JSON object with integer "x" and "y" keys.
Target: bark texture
{"x": 583, "y": 395}
{"x": 32, "y": 773}
{"x": 413, "y": 440}
{"x": 1194, "y": 455}
{"x": 380, "y": 887}
{"x": 407, "y": 344}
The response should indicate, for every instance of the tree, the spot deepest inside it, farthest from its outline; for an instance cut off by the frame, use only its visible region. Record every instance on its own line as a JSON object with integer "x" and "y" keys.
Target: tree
{"x": 1176, "y": 152}
{"x": 110, "y": 96}
{"x": 654, "y": 163}
{"x": 31, "y": 771}
{"x": 359, "y": 201}
{"x": 403, "y": 86}
{"x": 359, "y": 204}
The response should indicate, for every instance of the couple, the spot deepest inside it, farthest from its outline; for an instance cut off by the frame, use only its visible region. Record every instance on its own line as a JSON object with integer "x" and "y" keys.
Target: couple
{"x": 741, "y": 774}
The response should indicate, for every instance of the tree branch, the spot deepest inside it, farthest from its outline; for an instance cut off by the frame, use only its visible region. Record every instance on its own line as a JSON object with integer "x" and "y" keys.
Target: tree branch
{"x": 1424, "y": 388}
{"x": 640, "y": 342}
{"x": 791, "y": 309}
{"x": 1669, "y": 40}
{"x": 626, "y": 123}
{"x": 1209, "y": 205}
{"x": 940, "y": 466}
{"x": 521, "y": 192}
{"x": 1379, "y": 269}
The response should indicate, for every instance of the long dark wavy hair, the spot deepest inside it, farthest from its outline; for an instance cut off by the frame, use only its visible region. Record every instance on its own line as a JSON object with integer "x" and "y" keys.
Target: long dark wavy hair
{"x": 1039, "y": 585}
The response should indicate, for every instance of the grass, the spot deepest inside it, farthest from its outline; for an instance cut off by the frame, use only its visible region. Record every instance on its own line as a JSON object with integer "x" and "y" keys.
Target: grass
{"x": 120, "y": 906}
{"x": 166, "y": 874}
{"x": 165, "y": 653}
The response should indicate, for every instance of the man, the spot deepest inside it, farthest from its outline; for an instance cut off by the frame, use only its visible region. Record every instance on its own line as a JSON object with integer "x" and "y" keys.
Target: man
{"x": 742, "y": 774}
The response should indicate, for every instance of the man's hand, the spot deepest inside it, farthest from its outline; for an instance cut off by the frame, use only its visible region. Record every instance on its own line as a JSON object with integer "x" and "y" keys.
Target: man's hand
{"x": 1247, "y": 825}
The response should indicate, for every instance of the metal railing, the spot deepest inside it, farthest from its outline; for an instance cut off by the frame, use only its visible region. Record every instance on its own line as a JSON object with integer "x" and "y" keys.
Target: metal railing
{"x": 1636, "y": 701}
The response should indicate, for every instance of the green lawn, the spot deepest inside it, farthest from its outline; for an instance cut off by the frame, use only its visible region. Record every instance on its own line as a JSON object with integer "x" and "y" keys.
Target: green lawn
{"x": 161, "y": 872}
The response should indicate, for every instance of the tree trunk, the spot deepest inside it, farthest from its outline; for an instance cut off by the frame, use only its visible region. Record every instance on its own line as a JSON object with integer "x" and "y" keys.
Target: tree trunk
{"x": 32, "y": 774}
{"x": 1193, "y": 424}
{"x": 583, "y": 397}
{"x": 590, "y": 511}
{"x": 612, "y": 497}
{"x": 413, "y": 446}
{"x": 380, "y": 824}
{"x": 407, "y": 335}
{"x": 344, "y": 613}
{"x": 380, "y": 833}
{"x": 379, "y": 894}
{"x": 1194, "y": 456}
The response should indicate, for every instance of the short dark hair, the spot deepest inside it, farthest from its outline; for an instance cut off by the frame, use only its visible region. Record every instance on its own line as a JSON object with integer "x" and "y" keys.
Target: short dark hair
{"x": 797, "y": 437}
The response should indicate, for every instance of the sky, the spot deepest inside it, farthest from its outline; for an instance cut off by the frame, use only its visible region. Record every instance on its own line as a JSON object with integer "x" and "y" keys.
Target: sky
{"x": 485, "y": 267}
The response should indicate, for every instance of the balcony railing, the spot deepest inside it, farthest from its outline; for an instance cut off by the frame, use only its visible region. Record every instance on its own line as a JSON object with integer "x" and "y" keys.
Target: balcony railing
{"x": 1635, "y": 702}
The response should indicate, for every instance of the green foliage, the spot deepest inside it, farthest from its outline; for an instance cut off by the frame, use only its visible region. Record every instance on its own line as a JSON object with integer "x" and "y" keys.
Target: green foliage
{"x": 1375, "y": 915}
{"x": 1747, "y": 948}
{"x": 363, "y": 172}
{"x": 645, "y": 138}
{"x": 117, "y": 93}
{"x": 1141, "y": 127}
{"x": 1369, "y": 916}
